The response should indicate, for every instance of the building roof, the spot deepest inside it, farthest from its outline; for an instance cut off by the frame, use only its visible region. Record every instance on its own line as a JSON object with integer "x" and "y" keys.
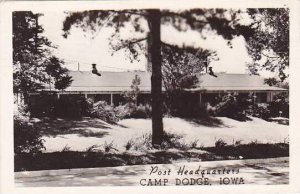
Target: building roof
{"x": 233, "y": 82}
{"x": 85, "y": 81}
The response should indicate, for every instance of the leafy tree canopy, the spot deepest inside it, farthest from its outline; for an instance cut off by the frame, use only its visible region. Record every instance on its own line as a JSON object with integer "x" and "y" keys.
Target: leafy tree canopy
{"x": 267, "y": 35}
{"x": 132, "y": 95}
{"x": 269, "y": 41}
{"x": 182, "y": 65}
{"x": 33, "y": 63}
{"x": 221, "y": 21}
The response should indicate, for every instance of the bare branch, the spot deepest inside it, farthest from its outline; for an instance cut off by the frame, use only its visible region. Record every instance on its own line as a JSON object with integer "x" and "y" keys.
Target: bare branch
{"x": 275, "y": 57}
{"x": 130, "y": 43}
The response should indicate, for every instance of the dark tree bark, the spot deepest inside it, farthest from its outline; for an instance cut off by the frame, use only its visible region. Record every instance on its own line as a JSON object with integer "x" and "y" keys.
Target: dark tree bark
{"x": 156, "y": 78}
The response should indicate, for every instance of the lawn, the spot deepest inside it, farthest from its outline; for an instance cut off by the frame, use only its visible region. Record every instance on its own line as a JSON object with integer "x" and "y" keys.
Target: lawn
{"x": 79, "y": 135}
{"x": 89, "y": 142}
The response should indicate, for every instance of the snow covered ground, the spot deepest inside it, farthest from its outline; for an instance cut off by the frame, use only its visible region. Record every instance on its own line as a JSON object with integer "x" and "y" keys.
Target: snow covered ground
{"x": 227, "y": 129}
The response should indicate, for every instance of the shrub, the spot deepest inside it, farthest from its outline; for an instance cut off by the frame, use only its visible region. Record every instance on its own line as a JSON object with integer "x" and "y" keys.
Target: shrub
{"x": 286, "y": 140}
{"x": 171, "y": 140}
{"x": 132, "y": 95}
{"x": 144, "y": 142}
{"x": 194, "y": 143}
{"x": 92, "y": 148}
{"x": 66, "y": 106}
{"x": 220, "y": 143}
{"x": 27, "y": 138}
{"x": 71, "y": 106}
{"x": 280, "y": 106}
{"x": 253, "y": 142}
{"x": 104, "y": 112}
{"x": 123, "y": 111}
{"x": 129, "y": 144}
{"x": 261, "y": 110}
{"x": 109, "y": 146}
{"x": 253, "y": 151}
{"x": 237, "y": 142}
{"x": 141, "y": 111}
{"x": 66, "y": 148}
{"x": 237, "y": 107}
{"x": 181, "y": 104}
{"x": 232, "y": 106}
{"x": 42, "y": 105}
{"x": 130, "y": 110}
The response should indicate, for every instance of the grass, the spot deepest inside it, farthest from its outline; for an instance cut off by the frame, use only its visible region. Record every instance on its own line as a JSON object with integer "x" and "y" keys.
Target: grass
{"x": 82, "y": 133}
{"x": 134, "y": 143}
{"x": 71, "y": 159}
{"x": 220, "y": 143}
{"x": 66, "y": 148}
{"x": 251, "y": 150}
{"x": 129, "y": 144}
{"x": 89, "y": 159}
{"x": 207, "y": 121}
{"x": 54, "y": 127}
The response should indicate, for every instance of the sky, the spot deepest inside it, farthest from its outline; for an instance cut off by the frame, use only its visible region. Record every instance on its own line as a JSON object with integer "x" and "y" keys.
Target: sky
{"x": 80, "y": 48}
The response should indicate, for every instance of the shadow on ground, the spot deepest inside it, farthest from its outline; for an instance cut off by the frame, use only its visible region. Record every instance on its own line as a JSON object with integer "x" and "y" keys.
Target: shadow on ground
{"x": 207, "y": 121}
{"x": 74, "y": 159}
{"x": 85, "y": 127}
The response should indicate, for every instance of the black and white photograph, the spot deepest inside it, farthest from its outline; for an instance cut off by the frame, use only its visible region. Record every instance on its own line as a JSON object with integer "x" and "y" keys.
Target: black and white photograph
{"x": 152, "y": 96}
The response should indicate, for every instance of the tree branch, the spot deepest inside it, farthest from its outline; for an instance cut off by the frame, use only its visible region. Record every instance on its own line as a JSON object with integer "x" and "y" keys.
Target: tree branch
{"x": 189, "y": 18}
{"x": 129, "y": 12}
{"x": 129, "y": 43}
{"x": 138, "y": 40}
{"x": 274, "y": 57}
{"x": 168, "y": 45}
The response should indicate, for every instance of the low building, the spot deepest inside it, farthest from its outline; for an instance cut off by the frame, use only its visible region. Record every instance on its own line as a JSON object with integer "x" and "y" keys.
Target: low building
{"x": 110, "y": 86}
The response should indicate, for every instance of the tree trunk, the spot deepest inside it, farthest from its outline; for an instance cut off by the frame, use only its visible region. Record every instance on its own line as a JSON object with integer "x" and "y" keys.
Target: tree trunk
{"x": 156, "y": 78}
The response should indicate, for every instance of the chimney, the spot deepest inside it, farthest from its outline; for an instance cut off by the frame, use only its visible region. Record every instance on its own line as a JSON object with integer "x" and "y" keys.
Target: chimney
{"x": 94, "y": 70}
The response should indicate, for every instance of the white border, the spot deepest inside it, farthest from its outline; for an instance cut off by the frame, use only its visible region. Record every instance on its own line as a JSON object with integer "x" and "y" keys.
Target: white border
{"x": 6, "y": 94}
